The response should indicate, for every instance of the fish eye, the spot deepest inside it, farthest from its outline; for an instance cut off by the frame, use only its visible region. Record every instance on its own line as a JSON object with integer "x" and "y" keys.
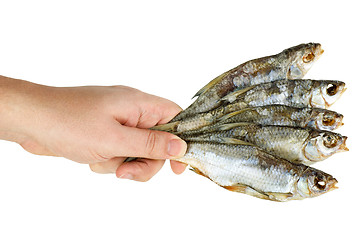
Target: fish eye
{"x": 328, "y": 120}
{"x": 308, "y": 58}
{"x": 329, "y": 141}
{"x": 332, "y": 89}
{"x": 320, "y": 183}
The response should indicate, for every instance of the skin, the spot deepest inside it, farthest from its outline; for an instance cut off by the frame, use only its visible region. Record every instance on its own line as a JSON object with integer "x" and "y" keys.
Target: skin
{"x": 96, "y": 125}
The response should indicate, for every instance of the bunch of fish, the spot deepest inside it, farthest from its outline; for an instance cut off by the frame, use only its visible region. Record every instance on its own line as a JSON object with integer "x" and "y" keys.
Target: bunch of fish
{"x": 256, "y": 128}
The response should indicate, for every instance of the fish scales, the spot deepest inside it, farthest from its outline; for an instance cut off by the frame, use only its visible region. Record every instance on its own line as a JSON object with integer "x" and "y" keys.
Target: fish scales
{"x": 252, "y": 127}
{"x": 294, "y": 93}
{"x": 287, "y": 142}
{"x": 321, "y": 119}
{"x": 228, "y": 165}
{"x": 282, "y": 115}
{"x": 282, "y": 141}
{"x": 299, "y": 145}
{"x": 292, "y": 63}
{"x": 249, "y": 170}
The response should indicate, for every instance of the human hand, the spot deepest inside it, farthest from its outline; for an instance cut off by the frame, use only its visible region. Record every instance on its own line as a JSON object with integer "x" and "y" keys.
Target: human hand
{"x": 97, "y": 125}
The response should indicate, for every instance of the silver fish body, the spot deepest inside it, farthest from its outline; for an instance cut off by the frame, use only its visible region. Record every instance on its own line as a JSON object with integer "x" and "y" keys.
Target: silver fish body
{"x": 249, "y": 170}
{"x": 298, "y": 145}
{"x": 317, "y": 118}
{"x": 280, "y": 115}
{"x": 294, "y": 93}
{"x": 292, "y": 63}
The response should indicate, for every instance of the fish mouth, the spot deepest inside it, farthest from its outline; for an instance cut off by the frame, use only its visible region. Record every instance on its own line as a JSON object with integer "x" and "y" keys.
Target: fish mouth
{"x": 340, "y": 122}
{"x": 318, "y": 51}
{"x": 332, "y": 184}
{"x": 343, "y": 146}
{"x": 344, "y": 89}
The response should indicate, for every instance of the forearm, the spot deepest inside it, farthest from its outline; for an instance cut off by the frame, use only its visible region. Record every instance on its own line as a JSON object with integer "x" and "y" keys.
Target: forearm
{"x": 16, "y": 98}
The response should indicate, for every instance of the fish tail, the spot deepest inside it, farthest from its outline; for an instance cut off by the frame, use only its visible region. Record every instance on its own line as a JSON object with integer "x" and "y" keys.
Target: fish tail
{"x": 168, "y": 127}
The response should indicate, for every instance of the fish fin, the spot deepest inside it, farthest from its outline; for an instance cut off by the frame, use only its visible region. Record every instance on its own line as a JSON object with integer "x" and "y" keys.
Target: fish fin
{"x": 168, "y": 127}
{"x": 201, "y": 138}
{"x": 280, "y": 197}
{"x": 196, "y": 170}
{"x": 236, "y": 188}
{"x": 242, "y": 188}
{"x": 228, "y": 126}
{"x": 234, "y": 141}
{"x": 211, "y": 84}
{"x": 217, "y": 139}
{"x": 129, "y": 159}
{"x": 231, "y": 97}
{"x": 230, "y": 115}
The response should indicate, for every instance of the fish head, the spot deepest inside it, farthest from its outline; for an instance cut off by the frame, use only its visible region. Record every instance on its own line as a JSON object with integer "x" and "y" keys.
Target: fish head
{"x": 321, "y": 145}
{"x": 323, "y": 119}
{"x": 301, "y": 58}
{"x": 326, "y": 93}
{"x": 314, "y": 182}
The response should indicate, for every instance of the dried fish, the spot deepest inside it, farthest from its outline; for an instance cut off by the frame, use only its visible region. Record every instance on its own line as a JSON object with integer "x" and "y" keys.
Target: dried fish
{"x": 298, "y": 145}
{"x": 292, "y": 63}
{"x": 247, "y": 169}
{"x": 317, "y": 118}
{"x": 255, "y": 128}
{"x": 295, "y": 93}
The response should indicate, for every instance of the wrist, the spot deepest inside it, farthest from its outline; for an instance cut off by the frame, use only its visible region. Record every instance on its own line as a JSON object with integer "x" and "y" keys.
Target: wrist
{"x": 16, "y": 108}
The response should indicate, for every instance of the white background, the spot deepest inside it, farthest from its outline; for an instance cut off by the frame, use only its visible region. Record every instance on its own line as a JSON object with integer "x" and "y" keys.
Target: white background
{"x": 170, "y": 49}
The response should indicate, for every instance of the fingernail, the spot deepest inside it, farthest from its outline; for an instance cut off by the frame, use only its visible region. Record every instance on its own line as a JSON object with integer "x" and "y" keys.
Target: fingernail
{"x": 177, "y": 148}
{"x": 128, "y": 176}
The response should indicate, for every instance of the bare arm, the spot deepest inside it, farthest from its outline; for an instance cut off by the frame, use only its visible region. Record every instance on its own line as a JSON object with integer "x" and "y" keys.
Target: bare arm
{"x": 97, "y": 125}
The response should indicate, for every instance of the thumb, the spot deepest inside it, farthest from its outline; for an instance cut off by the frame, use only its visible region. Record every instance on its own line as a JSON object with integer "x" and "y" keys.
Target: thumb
{"x": 145, "y": 143}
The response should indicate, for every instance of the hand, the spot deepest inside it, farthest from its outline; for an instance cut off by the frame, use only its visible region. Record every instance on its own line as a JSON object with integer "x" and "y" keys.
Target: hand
{"x": 97, "y": 125}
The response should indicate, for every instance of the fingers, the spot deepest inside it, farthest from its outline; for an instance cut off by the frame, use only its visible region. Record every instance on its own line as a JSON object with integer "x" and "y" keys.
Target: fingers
{"x": 157, "y": 109}
{"x": 109, "y": 166}
{"x": 178, "y": 167}
{"x": 144, "y": 143}
{"x": 133, "y": 170}
{"x": 143, "y": 110}
{"x": 139, "y": 170}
